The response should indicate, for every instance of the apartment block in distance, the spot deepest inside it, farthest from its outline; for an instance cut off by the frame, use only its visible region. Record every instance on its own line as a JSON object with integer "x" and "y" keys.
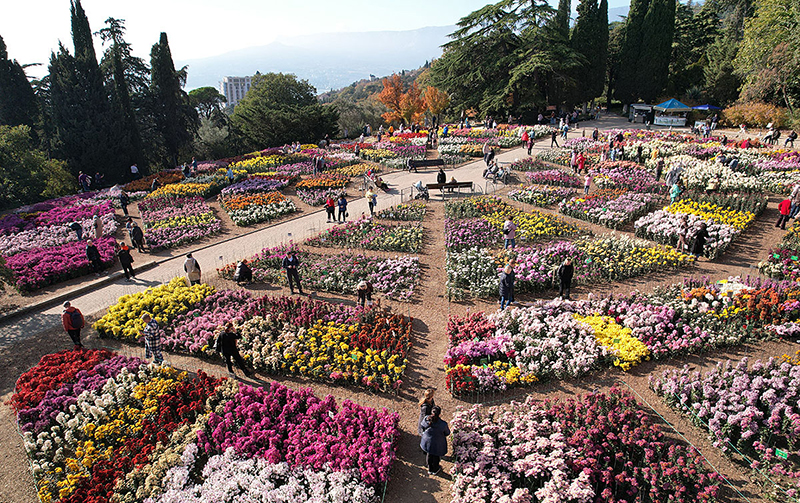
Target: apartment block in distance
{"x": 234, "y": 88}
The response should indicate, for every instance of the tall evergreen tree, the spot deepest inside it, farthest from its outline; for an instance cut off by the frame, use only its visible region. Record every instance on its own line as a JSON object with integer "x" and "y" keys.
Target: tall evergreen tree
{"x": 84, "y": 133}
{"x": 589, "y": 39}
{"x": 17, "y": 99}
{"x": 130, "y": 144}
{"x": 695, "y": 29}
{"x": 721, "y": 82}
{"x": 561, "y": 21}
{"x": 629, "y": 56}
{"x": 175, "y": 117}
{"x": 659, "y": 27}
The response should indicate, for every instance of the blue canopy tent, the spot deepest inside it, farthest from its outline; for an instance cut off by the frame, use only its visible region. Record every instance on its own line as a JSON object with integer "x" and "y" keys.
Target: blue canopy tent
{"x": 671, "y": 106}
{"x": 706, "y": 107}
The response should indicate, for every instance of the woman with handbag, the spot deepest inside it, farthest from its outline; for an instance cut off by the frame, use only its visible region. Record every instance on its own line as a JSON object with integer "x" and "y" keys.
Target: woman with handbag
{"x": 434, "y": 439}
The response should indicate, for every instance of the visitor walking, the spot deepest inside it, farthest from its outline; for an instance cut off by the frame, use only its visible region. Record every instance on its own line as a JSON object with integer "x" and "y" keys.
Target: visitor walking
{"x": 595, "y": 134}
{"x": 509, "y": 233}
{"x": 683, "y": 233}
{"x": 372, "y": 200}
{"x": 226, "y": 344}
{"x": 135, "y": 172}
{"x": 434, "y": 439}
{"x": 565, "y": 272}
{"x": 73, "y": 322}
{"x": 785, "y": 207}
{"x": 342, "y": 203}
{"x": 364, "y": 292}
{"x": 124, "y": 200}
{"x": 700, "y": 238}
{"x": 330, "y": 208}
{"x": 99, "y": 180}
{"x": 659, "y": 169}
{"x": 126, "y": 261}
{"x": 795, "y": 197}
{"x": 525, "y": 137}
{"x": 426, "y": 405}
{"x": 587, "y": 183}
{"x": 507, "y": 278}
{"x": 192, "y": 269}
{"x": 582, "y": 163}
{"x": 97, "y": 225}
{"x": 441, "y": 177}
{"x": 675, "y": 192}
{"x": 573, "y": 161}
{"x": 152, "y": 339}
{"x": 554, "y": 139}
{"x": 290, "y": 265}
{"x": 93, "y": 255}
{"x": 530, "y": 144}
{"x": 137, "y": 236}
{"x": 84, "y": 180}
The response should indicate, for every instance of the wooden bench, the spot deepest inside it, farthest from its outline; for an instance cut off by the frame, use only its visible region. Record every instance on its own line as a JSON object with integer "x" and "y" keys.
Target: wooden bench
{"x": 424, "y": 163}
{"x": 449, "y": 187}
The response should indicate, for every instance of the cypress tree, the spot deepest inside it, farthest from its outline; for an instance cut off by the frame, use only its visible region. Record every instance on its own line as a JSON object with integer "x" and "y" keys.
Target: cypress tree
{"x": 17, "y": 99}
{"x": 659, "y": 26}
{"x": 627, "y": 81}
{"x": 562, "y": 18}
{"x": 590, "y": 39}
{"x": 84, "y": 133}
{"x": 175, "y": 117}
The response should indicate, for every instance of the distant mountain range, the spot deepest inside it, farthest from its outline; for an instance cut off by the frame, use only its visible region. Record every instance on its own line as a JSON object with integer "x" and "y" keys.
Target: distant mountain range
{"x": 329, "y": 60}
{"x": 333, "y": 60}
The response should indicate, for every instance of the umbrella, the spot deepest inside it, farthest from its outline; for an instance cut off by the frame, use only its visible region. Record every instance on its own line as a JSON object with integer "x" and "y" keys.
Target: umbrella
{"x": 672, "y": 105}
{"x": 706, "y": 107}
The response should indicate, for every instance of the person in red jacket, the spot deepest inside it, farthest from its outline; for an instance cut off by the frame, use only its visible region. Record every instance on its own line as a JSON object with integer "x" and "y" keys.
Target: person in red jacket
{"x": 73, "y": 322}
{"x": 785, "y": 208}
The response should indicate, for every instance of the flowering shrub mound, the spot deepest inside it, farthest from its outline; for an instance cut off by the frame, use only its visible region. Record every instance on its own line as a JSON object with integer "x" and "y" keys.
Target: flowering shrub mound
{"x": 165, "y": 177}
{"x": 40, "y": 250}
{"x": 396, "y": 278}
{"x": 540, "y": 195}
{"x": 475, "y": 207}
{"x": 751, "y": 409}
{"x": 553, "y": 177}
{"x": 490, "y": 352}
{"x": 169, "y": 222}
{"x": 324, "y": 181}
{"x": 625, "y": 175}
{"x": 317, "y": 197}
{"x": 613, "y": 208}
{"x": 118, "y": 422}
{"x": 252, "y": 208}
{"x": 370, "y": 235}
{"x": 414, "y": 210}
{"x": 560, "y": 451}
{"x": 474, "y": 271}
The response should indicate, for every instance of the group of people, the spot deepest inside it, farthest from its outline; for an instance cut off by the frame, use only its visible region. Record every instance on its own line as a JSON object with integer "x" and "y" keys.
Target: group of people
{"x": 89, "y": 183}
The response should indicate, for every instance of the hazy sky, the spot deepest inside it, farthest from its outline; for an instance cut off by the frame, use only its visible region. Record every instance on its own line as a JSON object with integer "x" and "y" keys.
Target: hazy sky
{"x": 199, "y": 28}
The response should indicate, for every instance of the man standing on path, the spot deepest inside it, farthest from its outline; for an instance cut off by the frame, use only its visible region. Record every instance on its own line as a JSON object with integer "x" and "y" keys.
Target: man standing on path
{"x": 124, "y": 200}
{"x": 126, "y": 260}
{"x": 554, "y": 139}
{"x": 73, "y": 322}
{"x": 290, "y": 264}
{"x": 152, "y": 339}
{"x": 192, "y": 269}
{"x": 342, "y": 203}
{"x": 93, "y": 255}
{"x": 137, "y": 236}
{"x": 565, "y": 272}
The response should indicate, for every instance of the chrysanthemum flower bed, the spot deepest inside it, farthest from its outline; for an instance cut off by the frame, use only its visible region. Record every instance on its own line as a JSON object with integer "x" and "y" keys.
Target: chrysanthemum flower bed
{"x": 115, "y": 429}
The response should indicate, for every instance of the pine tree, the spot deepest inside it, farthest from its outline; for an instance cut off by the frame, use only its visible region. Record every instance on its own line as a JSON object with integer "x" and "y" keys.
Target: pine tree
{"x": 659, "y": 26}
{"x": 627, "y": 80}
{"x": 174, "y": 116}
{"x": 85, "y": 135}
{"x": 17, "y": 99}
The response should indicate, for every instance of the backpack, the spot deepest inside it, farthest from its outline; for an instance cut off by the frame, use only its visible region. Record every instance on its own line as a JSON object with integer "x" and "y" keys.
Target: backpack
{"x": 75, "y": 319}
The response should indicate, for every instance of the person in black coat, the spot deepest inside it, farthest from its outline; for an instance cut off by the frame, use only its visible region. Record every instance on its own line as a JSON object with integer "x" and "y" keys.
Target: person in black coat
{"x": 93, "y": 255}
{"x": 137, "y": 237}
{"x": 290, "y": 264}
{"x": 226, "y": 344}
{"x": 126, "y": 261}
{"x": 243, "y": 273}
{"x": 434, "y": 439}
{"x": 441, "y": 178}
{"x": 700, "y": 238}
{"x": 507, "y": 278}
{"x": 565, "y": 273}
{"x": 124, "y": 200}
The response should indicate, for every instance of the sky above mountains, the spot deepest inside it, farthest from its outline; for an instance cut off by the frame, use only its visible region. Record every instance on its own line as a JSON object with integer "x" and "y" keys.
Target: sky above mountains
{"x": 204, "y": 28}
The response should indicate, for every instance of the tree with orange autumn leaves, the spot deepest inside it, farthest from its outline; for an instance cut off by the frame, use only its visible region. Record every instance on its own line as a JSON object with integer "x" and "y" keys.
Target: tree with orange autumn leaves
{"x": 410, "y": 105}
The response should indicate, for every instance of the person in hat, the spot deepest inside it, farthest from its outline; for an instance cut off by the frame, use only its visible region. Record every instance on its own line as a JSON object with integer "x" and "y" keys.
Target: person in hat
{"x": 73, "y": 322}
{"x": 192, "y": 269}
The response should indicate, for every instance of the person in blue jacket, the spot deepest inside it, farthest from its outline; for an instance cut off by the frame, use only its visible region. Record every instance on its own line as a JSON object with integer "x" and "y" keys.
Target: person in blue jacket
{"x": 434, "y": 439}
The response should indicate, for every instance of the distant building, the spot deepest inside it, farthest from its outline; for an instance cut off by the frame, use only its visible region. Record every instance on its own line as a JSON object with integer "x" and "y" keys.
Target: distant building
{"x": 234, "y": 88}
